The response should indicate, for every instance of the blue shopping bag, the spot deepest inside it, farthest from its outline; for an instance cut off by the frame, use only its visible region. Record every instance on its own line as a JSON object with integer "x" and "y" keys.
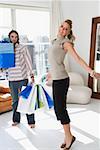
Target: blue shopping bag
{"x": 27, "y": 99}
{"x": 7, "y": 57}
{"x": 49, "y": 99}
{"x": 26, "y": 92}
{"x": 41, "y": 102}
{"x": 34, "y": 97}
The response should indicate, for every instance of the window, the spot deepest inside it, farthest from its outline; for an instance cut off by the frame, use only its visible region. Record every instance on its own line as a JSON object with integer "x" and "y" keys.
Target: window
{"x": 5, "y": 22}
{"x": 33, "y": 28}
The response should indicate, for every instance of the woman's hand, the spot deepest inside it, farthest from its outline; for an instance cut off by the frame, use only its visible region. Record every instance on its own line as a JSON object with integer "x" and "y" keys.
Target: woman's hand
{"x": 97, "y": 75}
{"x": 32, "y": 78}
{"x": 48, "y": 76}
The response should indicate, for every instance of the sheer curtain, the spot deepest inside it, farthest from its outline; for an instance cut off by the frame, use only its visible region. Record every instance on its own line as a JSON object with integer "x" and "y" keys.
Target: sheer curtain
{"x": 56, "y": 19}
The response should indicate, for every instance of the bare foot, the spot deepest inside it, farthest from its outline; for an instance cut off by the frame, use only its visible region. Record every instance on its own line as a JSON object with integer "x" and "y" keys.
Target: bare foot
{"x": 15, "y": 123}
{"x": 63, "y": 145}
{"x": 68, "y": 145}
{"x": 32, "y": 125}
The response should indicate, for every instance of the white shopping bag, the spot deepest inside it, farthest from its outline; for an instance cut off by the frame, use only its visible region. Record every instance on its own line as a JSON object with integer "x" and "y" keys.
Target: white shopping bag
{"x": 38, "y": 98}
{"x": 42, "y": 97}
{"x": 27, "y": 106}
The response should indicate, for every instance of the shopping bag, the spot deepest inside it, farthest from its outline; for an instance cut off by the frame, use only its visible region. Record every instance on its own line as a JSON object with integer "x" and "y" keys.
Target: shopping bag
{"x": 43, "y": 99}
{"x": 34, "y": 97}
{"x": 48, "y": 98}
{"x": 7, "y": 57}
{"x": 26, "y": 92}
{"x": 40, "y": 98}
{"x": 27, "y": 105}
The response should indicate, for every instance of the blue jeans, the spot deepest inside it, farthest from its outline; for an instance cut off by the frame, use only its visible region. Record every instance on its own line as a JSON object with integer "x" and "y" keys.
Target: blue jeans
{"x": 15, "y": 87}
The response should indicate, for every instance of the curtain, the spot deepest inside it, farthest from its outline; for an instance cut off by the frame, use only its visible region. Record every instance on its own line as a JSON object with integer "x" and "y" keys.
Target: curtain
{"x": 56, "y": 19}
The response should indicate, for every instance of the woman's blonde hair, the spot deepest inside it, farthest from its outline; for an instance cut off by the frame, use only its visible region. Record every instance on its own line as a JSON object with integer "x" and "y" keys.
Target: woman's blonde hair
{"x": 70, "y": 36}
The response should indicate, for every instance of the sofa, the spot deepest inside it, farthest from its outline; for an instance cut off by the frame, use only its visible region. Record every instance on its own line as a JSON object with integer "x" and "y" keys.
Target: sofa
{"x": 78, "y": 93}
{"x": 5, "y": 99}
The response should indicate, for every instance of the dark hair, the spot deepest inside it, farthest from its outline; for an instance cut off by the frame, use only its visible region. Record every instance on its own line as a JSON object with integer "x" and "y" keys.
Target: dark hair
{"x": 70, "y": 24}
{"x": 14, "y": 31}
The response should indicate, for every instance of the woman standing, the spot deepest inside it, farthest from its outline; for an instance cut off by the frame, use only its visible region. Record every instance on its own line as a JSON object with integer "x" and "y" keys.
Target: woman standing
{"x": 18, "y": 76}
{"x": 60, "y": 46}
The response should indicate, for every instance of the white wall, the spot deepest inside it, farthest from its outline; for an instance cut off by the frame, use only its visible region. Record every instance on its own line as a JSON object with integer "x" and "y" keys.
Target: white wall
{"x": 81, "y": 13}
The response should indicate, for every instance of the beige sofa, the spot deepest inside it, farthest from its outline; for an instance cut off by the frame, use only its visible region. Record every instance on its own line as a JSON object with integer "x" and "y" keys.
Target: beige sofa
{"x": 78, "y": 93}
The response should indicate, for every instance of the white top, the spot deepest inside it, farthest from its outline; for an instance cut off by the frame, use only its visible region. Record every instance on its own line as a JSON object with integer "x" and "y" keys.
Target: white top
{"x": 23, "y": 64}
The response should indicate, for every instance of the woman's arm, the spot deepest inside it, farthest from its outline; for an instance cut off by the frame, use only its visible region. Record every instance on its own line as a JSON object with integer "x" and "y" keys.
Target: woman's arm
{"x": 69, "y": 47}
{"x": 29, "y": 63}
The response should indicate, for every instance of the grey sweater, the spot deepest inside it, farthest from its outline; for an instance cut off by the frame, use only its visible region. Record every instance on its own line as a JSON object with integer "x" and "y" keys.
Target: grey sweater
{"x": 56, "y": 58}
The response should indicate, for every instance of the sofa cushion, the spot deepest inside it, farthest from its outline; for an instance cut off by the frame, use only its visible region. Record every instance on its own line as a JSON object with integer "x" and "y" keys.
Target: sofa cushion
{"x": 5, "y": 106}
{"x": 4, "y": 89}
{"x": 79, "y": 94}
{"x": 5, "y": 102}
{"x": 75, "y": 78}
{"x": 5, "y": 97}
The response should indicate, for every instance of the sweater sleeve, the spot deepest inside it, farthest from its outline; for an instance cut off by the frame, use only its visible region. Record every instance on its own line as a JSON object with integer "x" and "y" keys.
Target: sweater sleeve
{"x": 28, "y": 61}
{"x": 66, "y": 40}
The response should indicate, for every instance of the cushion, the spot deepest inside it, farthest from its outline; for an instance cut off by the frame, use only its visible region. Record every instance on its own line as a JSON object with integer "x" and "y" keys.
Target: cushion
{"x": 5, "y": 97}
{"x": 79, "y": 94}
{"x": 4, "y": 89}
{"x": 75, "y": 78}
{"x": 5, "y": 106}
